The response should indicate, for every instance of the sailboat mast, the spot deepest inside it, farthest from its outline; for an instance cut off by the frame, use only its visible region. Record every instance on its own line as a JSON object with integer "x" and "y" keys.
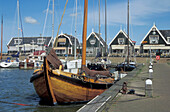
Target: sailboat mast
{"x": 1, "y": 36}
{"x": 75, "y": 42}
{"x": 106, "y": 26}
{"x": 18, "y": 23}
{"x": 53, "y": 23}
{"x": 84, "y": 33}
{"x": 99, "y": 26}
{"x": 128, "y": 31}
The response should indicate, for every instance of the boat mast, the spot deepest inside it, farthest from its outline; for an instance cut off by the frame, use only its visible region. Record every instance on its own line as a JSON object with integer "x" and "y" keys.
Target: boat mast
{"x": 75, "y": 42}
{"x": 53, "y": 23}
{"x": 84, "y": 33}
{"x": 99, "y": 27}
{"x": 1, "y": 35}
{"x": 106, "y": 26}
{"x": 128, "y": 31}
{"x": 18, "y": 23}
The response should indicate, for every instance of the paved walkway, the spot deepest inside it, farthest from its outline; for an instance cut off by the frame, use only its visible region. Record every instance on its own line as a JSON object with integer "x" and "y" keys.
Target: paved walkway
{"x": 138, "y": 103}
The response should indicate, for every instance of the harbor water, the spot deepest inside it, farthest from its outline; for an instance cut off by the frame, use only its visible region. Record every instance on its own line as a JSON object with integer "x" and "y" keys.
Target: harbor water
{"x": 18, "y": 94}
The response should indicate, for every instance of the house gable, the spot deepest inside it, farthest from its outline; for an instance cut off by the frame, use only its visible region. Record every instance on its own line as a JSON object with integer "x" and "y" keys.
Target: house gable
{"x": 29, "y": 41}
{"x": 93, "y": 40}
{"x": 120, "y": 39}
{"x": 154, "y": 37}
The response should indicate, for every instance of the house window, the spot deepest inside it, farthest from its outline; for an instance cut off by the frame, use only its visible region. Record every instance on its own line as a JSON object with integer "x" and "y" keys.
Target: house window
{"x": 60, "y": 51}
{"x": 168, "y": 39}
{"x": 40, "y": 41}
{"x": 17, "y": 41}
{"x": 121, "y": 41}
{"x": 154, "y": 39}
{"x": 61, "y": 44}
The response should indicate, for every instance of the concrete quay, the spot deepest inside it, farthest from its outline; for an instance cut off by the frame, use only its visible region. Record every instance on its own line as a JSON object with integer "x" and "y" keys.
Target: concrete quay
{"x": 160, "y": 102}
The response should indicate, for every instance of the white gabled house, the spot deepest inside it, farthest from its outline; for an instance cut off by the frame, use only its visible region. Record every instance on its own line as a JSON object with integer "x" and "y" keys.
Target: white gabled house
{"x": 94, "y": 44}
{"x": 119, "y": 43}
{"x": 156, "y": 41}
{"x": 28, "y": 44}
{"x": 65, "y": 44}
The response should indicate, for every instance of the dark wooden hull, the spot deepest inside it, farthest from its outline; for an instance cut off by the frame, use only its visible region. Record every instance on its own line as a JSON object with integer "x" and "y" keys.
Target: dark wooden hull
{"x": 66, "y": 89}
{"x": 125, "y": 67}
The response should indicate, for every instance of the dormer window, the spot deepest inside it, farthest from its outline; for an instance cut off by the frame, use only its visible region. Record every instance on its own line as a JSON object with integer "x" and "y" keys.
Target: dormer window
{"x": 40, "y": 41}
{"x": 121, "y": 41}
{"x": 154, "y": 39}
{"x": 17, "y": 41}
{"x": 61, "y": 41}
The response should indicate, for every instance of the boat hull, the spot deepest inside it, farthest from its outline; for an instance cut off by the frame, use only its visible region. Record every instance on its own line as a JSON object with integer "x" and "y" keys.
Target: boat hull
{"x": 9, "y": 64}
{"x": 66, "y": 89}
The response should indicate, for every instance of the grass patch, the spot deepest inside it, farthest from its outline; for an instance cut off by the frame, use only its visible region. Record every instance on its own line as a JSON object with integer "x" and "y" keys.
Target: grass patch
{"x": 168, "y": 63}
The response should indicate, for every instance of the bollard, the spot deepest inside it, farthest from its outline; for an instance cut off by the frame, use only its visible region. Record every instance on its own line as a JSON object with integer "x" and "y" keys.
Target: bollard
{"x": 148, "y": 88}
{"x": 151, "y": 64}
{"x": 150, "y": 67}
{"x": 150, "y": 73}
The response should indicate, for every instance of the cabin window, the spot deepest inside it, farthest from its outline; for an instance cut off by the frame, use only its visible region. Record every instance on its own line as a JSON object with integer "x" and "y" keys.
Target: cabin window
{"x": 121, "y": 41}
{"x": 168, "y": 39}
{"x": 154, "y": 39}
{"x": 40, "y": 41}
{"x": 17, "y": 41}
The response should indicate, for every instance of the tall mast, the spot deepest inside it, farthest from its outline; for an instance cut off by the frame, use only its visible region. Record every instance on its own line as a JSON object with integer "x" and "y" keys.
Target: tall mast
{"x": 106, "y": 26}
{"x": 75, "y": 42}
{"x": 53, "y": 23}
{"x": 1, "y": 36}
{"x": 18, "y": 23}
{"x": 84, "y": 33}
{"x": 128, "y": 31}
{"x": 99, "y": 26}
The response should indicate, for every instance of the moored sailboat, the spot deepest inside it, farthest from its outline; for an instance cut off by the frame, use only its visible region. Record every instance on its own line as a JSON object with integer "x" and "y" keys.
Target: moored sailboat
{"x": 127, "y": 65}
{"x": 53, "y": 85}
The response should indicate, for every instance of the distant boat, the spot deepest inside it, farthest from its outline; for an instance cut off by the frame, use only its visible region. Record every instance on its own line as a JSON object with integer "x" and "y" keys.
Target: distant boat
{"x": 33, "y": 61}
{"x": 127, "y": 65}
{"x": 53, "y": 85}
{"x": 10, "y": 63}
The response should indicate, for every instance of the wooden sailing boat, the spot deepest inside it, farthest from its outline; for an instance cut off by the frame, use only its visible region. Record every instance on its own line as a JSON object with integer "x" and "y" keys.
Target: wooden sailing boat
{"x": 127, "y": 65}
{"x": 53, "y": 85}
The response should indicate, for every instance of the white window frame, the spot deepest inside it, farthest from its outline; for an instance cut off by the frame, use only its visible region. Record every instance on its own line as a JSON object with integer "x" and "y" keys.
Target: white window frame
{"x": 40, "y": 41}
{"x": 168, "y": 39}
{"x": 17, "y": 41}
{"x": 119, "y": 41}
{"x": 156, "y": 40}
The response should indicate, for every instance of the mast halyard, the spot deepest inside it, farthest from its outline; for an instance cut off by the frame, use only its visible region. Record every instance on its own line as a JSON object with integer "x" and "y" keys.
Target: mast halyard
{"x": 106, "y": 26}
{"x": 53, "y": 24}
{"x": 128, "y": 31}
{"x": 1, "y": 36}
{"x": 84, "y": 33}
{"x": 75, "y": 42}
{"x": 18, "y": 23}
{"x": 99, "y": 28}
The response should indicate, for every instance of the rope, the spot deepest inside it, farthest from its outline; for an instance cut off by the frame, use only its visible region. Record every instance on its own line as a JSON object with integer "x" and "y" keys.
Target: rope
{"x": 60, "y": 24}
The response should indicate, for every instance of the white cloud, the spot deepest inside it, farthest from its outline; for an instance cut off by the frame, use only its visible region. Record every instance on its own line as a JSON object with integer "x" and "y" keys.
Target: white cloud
{"x": 140, "y": 11}
{"x": 30, "y": 20}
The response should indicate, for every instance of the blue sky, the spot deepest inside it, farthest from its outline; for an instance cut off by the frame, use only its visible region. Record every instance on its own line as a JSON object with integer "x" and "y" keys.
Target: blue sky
{"x": 143, "y": 13}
